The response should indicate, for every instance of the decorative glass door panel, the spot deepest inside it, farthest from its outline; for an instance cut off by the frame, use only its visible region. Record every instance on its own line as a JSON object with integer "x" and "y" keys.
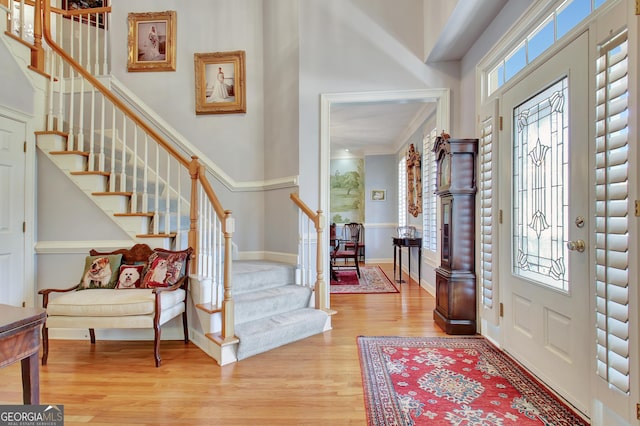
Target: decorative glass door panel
{"x": 540, "y": 199}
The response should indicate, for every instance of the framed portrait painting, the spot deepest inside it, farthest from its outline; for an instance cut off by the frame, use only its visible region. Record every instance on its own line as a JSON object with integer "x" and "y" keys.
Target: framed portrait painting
{"x": 152, "y": 41}
{"x": 220, "y": 82}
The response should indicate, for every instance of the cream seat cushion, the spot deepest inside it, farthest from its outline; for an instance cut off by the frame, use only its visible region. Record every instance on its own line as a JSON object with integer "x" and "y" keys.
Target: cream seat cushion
{"x": 111, "y": 303}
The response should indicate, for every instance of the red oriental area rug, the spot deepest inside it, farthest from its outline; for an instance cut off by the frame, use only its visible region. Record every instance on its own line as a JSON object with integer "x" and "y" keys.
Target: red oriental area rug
{"x": 452, "y": 381}
{"x": 372, "y": 280}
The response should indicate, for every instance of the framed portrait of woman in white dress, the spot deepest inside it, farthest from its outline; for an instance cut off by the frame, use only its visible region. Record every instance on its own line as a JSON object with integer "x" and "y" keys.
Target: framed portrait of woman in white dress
{"x": 220, "y": 84}
{"x": 152, "y": 41}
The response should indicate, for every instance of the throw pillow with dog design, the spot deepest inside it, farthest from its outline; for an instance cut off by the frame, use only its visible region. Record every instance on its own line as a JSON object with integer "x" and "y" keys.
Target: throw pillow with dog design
{"x": 100, "y": 272}
{"x": 130, "y": 276}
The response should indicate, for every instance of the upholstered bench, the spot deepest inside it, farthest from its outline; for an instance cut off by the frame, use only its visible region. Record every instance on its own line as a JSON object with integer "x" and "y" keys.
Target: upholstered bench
{"x": 138, "y": 287}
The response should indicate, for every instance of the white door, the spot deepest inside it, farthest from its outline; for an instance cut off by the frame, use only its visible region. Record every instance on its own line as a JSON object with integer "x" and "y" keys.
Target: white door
{"x": 545, "y": 197}
{"x": 12, "y": 169}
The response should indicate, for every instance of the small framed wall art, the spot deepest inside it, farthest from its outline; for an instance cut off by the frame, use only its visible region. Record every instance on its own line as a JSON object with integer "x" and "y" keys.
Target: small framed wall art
{"x": 152, "y": 41}
{"x": 378, "y": 195}
{"x": 220, "y": 82}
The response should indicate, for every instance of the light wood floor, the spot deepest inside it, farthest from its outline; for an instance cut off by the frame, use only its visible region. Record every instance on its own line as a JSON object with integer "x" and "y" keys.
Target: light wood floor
{"x": 316, "y": 381}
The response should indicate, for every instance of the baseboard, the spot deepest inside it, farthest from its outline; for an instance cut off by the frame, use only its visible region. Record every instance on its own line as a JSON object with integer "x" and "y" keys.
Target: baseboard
{"x": 274, "y": 256}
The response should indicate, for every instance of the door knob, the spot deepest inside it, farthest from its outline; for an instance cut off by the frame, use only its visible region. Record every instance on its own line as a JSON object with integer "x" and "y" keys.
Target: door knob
{"x": 577, "y": 245}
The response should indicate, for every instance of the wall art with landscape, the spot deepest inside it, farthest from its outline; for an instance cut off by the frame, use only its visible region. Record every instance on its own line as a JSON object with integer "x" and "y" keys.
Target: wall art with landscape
{"x": 347, "y": 191}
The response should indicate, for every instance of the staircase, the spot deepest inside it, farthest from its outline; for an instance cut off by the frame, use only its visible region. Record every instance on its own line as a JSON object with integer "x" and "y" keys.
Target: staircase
{"x": 118, "y": 205}
{"x": 115, "y": 162}
{"x": 271, "y": 310}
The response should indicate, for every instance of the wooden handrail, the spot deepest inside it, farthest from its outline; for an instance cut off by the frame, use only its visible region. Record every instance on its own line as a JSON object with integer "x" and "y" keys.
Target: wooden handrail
{"x": 295, "y": 197}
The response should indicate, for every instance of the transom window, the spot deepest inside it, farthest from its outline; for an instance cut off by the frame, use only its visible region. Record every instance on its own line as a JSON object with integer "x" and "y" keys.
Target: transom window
{"x": 566, "y": 16}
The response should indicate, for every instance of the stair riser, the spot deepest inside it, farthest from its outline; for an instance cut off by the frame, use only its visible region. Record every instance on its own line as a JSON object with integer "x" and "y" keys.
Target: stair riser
{"x": 261, "y": 279}
{"x": 113, "y": 203}
{"x": 271, "y": 302}
{"x": 70, "y": 162}
{"x": 51, "y": 142}
{"x": 259, "y": 337}
{"x": 90, "y": 183}
{"x": 133, "y": 224}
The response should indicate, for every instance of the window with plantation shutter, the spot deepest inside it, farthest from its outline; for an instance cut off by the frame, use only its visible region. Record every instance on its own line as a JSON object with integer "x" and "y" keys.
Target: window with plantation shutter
{"x": 429, "y": 200}
{"x": 485, "y": 183}
{"x": 612, "y": 214}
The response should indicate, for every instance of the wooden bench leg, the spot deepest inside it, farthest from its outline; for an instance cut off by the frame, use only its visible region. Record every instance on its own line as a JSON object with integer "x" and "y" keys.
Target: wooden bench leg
{"x": 92, "y": 335}
{"x": 185, "y": 329}
{"x": 156, "y": 344}
{"x": 45, "y": 344}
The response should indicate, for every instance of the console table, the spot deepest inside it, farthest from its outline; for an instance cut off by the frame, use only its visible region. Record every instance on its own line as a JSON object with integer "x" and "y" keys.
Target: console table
{"x": 20, "y": 341}
{"x": 398, "y": 243}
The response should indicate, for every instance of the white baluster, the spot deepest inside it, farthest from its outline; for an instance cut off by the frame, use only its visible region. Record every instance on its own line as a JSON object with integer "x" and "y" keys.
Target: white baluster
{"x": 101, "y": 158}
{"x": 61, "y": 91}
{"x": 179, "y": 198}
{"x": 96, "y": 66}
{"x": 157, "y": 193}
{"x": 145, "y": 179}
{"x": 107, "y": 24}
{"x": 50, "y": 63}
{"x": 123, "y": 157}
{"x": 134, "y": 164}
{"x": 81, "y": 146}
{"x": 114, "y": 138}
{"x": 167, "y": 196}
{"x": 92, "y": 153}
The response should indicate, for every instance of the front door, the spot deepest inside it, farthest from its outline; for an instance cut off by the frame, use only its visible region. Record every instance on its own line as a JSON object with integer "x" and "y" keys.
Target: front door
{"x": 12, "y": 201}
{"x": 544, "y": 201}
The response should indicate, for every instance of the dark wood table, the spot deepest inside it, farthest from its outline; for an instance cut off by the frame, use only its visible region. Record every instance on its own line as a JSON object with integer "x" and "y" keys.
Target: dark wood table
{"x": 398, "y": 243}
{"x": 20, "y": 341}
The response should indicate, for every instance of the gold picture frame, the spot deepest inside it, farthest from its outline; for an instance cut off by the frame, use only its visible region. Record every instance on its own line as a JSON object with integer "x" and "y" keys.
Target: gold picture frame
{"x": 152, "y": 41}
{"x": 220, "y": 82}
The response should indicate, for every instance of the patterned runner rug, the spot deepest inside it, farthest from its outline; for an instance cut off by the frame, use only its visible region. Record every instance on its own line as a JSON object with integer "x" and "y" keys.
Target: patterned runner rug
{"x": 452, "y": 381}
{"x": 372, "y": 280}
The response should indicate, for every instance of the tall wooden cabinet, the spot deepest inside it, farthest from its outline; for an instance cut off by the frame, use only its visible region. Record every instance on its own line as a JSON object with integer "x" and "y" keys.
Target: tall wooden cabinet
{"x": 455, "y": 309}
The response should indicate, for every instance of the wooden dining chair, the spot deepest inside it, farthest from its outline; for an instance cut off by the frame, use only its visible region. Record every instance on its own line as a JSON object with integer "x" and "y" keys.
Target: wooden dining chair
{"x": 347, "y": 252}
{"x": 349, "y": 229}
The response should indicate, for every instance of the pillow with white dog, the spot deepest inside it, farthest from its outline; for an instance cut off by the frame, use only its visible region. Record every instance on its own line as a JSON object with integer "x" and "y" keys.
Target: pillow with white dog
{"x": 130, "y": 276}
{"x": 100, "y": 271}
{"x": 165, "y": 269}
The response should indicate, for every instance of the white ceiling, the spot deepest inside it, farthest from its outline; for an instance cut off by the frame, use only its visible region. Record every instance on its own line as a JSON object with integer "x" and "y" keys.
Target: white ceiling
{"x": 379, "y": 127}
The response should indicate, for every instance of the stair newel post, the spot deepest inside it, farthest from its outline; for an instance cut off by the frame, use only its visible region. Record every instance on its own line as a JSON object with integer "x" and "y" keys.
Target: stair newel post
{"x": 321, "y": 285}
{"x": 228, "y": 321}
{"x": 37, "y": 54}
{"x": 194, "y": 170}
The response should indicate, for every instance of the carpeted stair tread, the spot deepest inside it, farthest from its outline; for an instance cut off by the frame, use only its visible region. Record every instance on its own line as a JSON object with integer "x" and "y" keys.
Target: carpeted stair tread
{"x": 264, "y": 303}
{"x": 268, "y": 333}
{"x": 254, "y": 275}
